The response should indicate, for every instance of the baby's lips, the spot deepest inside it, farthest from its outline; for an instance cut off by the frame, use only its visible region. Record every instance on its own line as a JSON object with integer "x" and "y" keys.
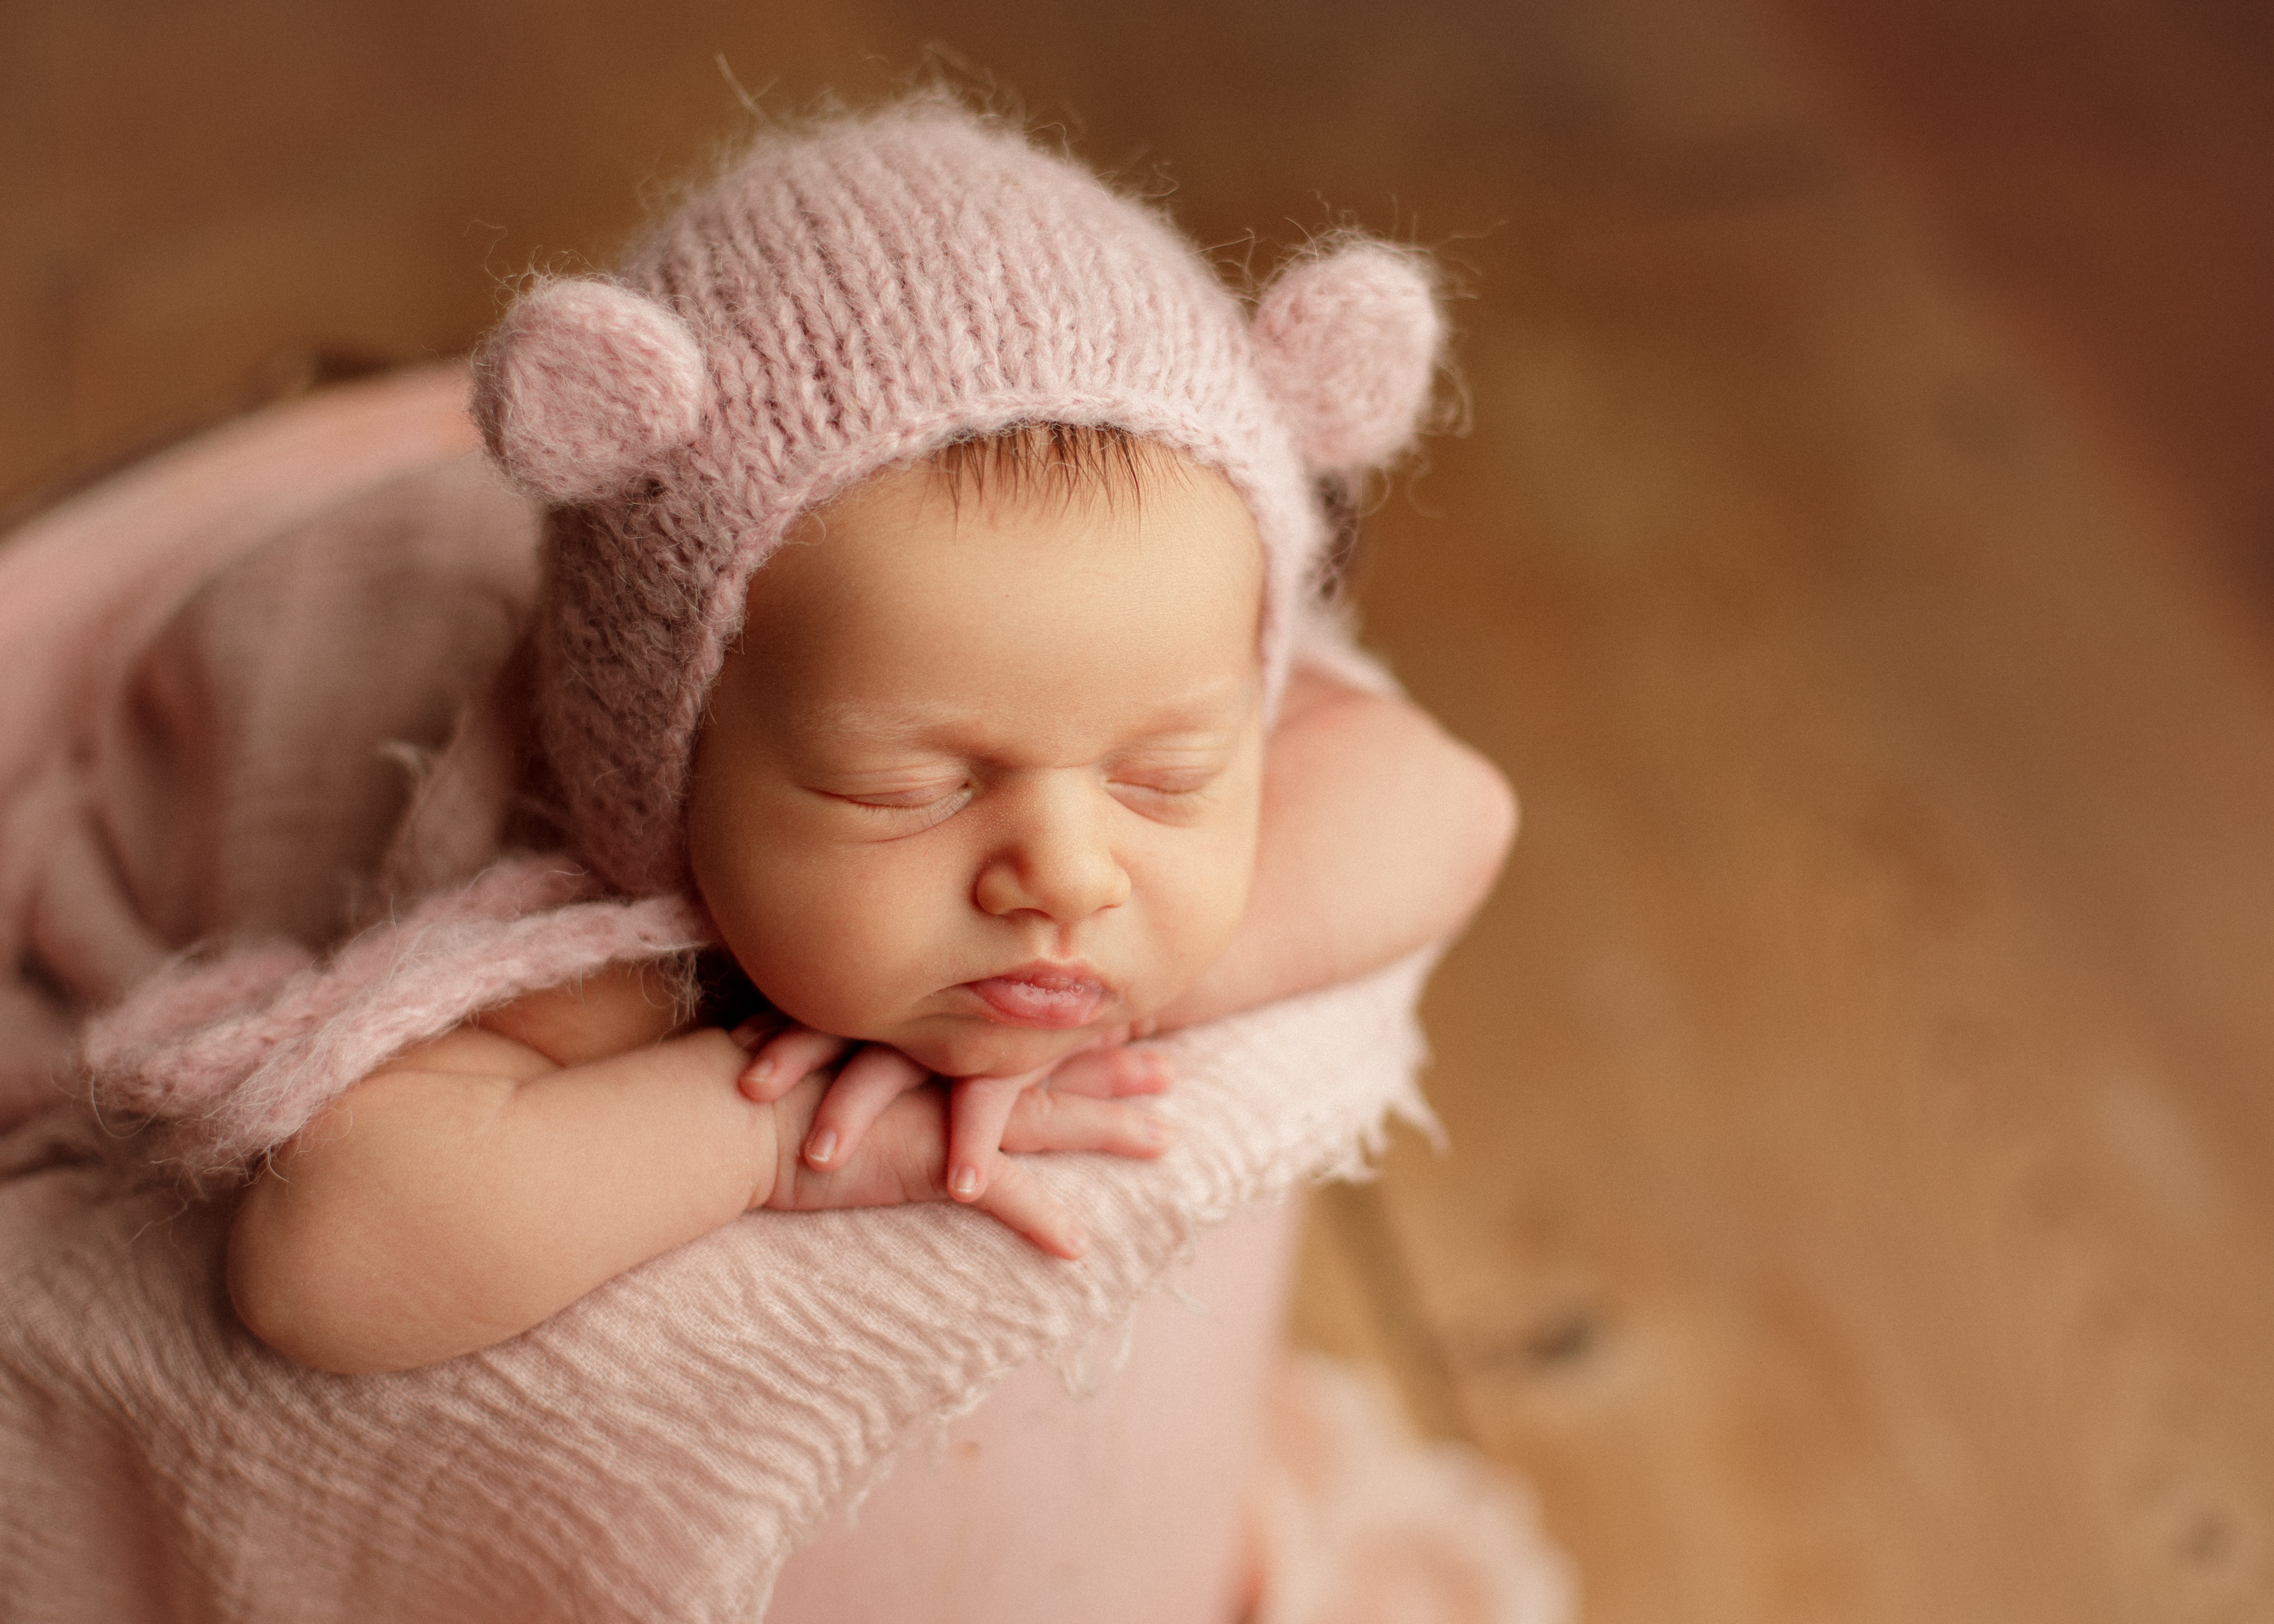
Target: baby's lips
{"x": 1050, "y": 1002}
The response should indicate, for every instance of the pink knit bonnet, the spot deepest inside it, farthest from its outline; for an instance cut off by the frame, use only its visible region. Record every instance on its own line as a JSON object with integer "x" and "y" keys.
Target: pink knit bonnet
{"x": 852, "y": 297}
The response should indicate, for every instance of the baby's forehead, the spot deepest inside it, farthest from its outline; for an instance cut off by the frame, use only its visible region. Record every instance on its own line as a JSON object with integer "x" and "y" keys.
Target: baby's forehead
{"x": 1035, "y": 505}
{"x": 910, "y": 587}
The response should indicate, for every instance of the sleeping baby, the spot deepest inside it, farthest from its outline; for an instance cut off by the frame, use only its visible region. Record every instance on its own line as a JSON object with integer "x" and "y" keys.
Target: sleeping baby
{"x": 932, "y": 683}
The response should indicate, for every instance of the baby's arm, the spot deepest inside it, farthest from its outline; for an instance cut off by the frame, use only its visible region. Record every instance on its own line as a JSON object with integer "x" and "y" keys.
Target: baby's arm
{"x": 1381, "y": 833}
{"x": 477, "y": 1184}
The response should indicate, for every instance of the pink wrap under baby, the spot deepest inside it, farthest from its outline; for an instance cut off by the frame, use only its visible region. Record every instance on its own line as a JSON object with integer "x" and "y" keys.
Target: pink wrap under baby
{"x": 664, "y": 1447}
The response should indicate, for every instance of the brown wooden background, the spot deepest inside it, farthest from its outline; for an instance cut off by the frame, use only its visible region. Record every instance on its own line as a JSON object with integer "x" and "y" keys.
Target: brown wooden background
{"x": 1863, "y": 560}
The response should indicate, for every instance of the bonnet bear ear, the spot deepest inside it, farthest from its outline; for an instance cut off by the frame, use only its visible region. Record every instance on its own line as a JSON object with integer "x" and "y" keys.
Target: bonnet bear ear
{"x": 584, "y": 386}
{"x": 1347, "y": 343}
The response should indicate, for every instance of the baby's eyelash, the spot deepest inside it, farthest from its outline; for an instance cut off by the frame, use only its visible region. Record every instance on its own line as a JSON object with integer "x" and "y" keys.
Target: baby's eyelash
{"x": 1190, "y": 781}
{"x": 926, "y": 798}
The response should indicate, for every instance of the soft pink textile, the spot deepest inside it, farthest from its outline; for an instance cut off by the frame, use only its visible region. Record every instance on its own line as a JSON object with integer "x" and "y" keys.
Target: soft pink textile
{"x": 1358, "y": 1523}
{"x": 656, "y": 1449}
{"x": 105, "y": 866}
{"x": 1346, "y": 340}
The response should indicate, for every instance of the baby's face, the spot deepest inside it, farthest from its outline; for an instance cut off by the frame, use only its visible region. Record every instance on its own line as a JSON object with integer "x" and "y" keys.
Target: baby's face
{"x": 983, "y": 785}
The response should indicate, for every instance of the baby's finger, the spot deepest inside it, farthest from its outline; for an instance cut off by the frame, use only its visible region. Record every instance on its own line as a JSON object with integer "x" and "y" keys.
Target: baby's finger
{"x": 785, "y": 1060}
{"x": 1045, "y": 1119}
{"x": 871, "y": 1080}
{"x": 1113, "y": 1073}
{"x": 1017, "y": 1197}
{"x": 976, "y": 1111}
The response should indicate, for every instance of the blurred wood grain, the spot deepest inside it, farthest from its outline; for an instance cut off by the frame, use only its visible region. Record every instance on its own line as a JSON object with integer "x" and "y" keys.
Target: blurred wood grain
{"x": 1859, "y": 1091}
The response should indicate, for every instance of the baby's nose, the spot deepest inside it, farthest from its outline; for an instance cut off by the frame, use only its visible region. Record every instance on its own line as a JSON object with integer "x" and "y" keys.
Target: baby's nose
{"x": 1056, "y": 859}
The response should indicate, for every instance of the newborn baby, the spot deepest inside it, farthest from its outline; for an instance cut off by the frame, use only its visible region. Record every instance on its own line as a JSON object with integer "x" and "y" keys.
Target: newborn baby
{"x": 930, "y": 538}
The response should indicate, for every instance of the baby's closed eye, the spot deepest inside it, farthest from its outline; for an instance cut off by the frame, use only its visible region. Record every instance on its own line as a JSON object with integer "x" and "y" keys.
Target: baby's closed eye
{"x": 901, "y": 805}
{"x": 914, "y": 799}
{"x": 1167, "y": 786}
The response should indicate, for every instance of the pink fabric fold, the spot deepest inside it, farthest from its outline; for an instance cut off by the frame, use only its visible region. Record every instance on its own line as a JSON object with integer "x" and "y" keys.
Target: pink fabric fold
{"x": 1360, "y": 1522}
{"x": 154, "y": 761}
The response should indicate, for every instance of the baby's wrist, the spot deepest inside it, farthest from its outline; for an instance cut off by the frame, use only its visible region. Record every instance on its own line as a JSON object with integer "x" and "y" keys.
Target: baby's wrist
{"x": 765, "y": 1152}
{"x": 777, "y": 1134}
{"x": 760, "y": 1121}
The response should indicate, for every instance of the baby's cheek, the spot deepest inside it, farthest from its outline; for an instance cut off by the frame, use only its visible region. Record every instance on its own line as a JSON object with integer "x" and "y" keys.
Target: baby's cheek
{"x": 801, "y": 972}
{"x": 836, "y": 953}
{"x": 1200, "y": 905}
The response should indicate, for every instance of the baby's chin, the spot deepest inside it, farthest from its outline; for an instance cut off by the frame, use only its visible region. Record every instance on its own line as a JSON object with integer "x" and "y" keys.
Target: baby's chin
{"x": 971, "y": 1047}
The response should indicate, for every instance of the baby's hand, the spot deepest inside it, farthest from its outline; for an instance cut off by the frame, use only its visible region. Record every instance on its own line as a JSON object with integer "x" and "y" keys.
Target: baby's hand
{"x": 979, "y": 1108}
{"x": 902, "y": 1152}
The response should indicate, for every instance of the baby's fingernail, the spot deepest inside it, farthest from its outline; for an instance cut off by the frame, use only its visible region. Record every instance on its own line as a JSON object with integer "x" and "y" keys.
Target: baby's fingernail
{"x": 1157, "y": 1132}
{"x": 966, "y": 1183}
{"x": 821, "y": 1147}
{"x": 1074, "y": 1239}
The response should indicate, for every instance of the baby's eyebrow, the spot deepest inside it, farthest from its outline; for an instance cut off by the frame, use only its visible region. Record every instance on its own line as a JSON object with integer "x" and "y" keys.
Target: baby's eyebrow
{"x": 1212, "y": 709}
{"x": 889, "y": 726}
{"x": 894, "y": 726}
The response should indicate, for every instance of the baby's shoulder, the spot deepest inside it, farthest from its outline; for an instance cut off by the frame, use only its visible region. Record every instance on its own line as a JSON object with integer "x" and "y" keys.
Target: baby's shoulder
{"x": 619, "y": 1007}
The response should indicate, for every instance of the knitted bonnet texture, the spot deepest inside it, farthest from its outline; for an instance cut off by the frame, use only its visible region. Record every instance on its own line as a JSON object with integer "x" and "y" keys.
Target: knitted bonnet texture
{"x": 850, "y": 296}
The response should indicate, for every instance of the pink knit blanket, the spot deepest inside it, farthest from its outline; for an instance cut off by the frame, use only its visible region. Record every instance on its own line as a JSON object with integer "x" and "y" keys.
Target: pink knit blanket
{"x": 655, "y": 1451}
